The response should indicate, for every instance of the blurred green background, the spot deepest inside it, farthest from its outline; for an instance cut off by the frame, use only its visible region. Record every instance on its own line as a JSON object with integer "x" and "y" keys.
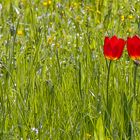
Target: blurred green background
{"x": 53, "y": 73}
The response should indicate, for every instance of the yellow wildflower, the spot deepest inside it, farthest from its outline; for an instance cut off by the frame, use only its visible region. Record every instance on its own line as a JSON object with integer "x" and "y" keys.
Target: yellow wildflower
{"x": 75, "y": 4}
{"x": 49, "y": 40}
{"x": 130, "y": 30}
{"x": 130, "y": 17}
{"x": 51, "y": 23}
{"x": 62, "y": 13}
{"x": 47, "y": 3}
{"x": 122, "y": 18}
{"x": 98, "y": 22}
{"x": 20, "y": 32}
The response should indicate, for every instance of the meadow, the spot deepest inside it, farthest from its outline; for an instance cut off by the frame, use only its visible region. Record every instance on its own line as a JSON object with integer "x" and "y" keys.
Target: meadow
{"x": 53, "y": 73}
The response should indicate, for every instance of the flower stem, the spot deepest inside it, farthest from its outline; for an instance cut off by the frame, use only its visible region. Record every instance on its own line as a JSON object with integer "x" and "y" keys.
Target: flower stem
{"x": 107, "y": 113}
{"x": 135, "y": 75}
{"x": 131, "y": 133}
{"x": 108, "y": 82}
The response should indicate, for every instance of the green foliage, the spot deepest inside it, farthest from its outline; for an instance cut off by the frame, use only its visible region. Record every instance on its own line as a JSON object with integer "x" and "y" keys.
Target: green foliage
{"x": 53, "y": 72}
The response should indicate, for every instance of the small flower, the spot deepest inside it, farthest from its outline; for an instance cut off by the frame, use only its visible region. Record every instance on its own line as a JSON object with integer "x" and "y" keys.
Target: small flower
{"x": 35, "y": 130}
{"x": 62, "y": 13}
{"x": 130, "y": 17}
{"x": 51, "y": 23}
{"x": 74, "y": 5}
{"x": 47, "y": 3}
{"x": 133, "y": 47}
{"x": 50, "y": 40}
{"x": 20, "y": 32}
{"x": 122, "y": 18}
{"x": 113, "y": 47}
{"x": 130, "y": 30}
{"x": 98, "y": 21}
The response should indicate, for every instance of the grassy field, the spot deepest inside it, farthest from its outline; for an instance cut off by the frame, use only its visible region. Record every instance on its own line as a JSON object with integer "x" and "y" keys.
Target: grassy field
{"x": 53, "y": 73}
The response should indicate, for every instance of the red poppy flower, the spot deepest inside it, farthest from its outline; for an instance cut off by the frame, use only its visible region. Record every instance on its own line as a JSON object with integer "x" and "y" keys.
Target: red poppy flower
{"x": 113, "y": 47}
{"x": 133, "y": 47}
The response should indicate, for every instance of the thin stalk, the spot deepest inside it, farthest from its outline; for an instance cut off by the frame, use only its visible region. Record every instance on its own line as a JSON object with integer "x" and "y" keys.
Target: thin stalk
{"x": 107, "y": 113}
{"x": 80, "y": 87}
{"x": 59, "y": 67}
{"x": 135, "y": 75}
{"x": 108, "y": 75}
{"x": 131, "y": 131}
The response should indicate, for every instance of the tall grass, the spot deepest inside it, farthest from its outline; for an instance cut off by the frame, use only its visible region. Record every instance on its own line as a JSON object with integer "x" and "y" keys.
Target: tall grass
{"x": 53, "y": 72}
